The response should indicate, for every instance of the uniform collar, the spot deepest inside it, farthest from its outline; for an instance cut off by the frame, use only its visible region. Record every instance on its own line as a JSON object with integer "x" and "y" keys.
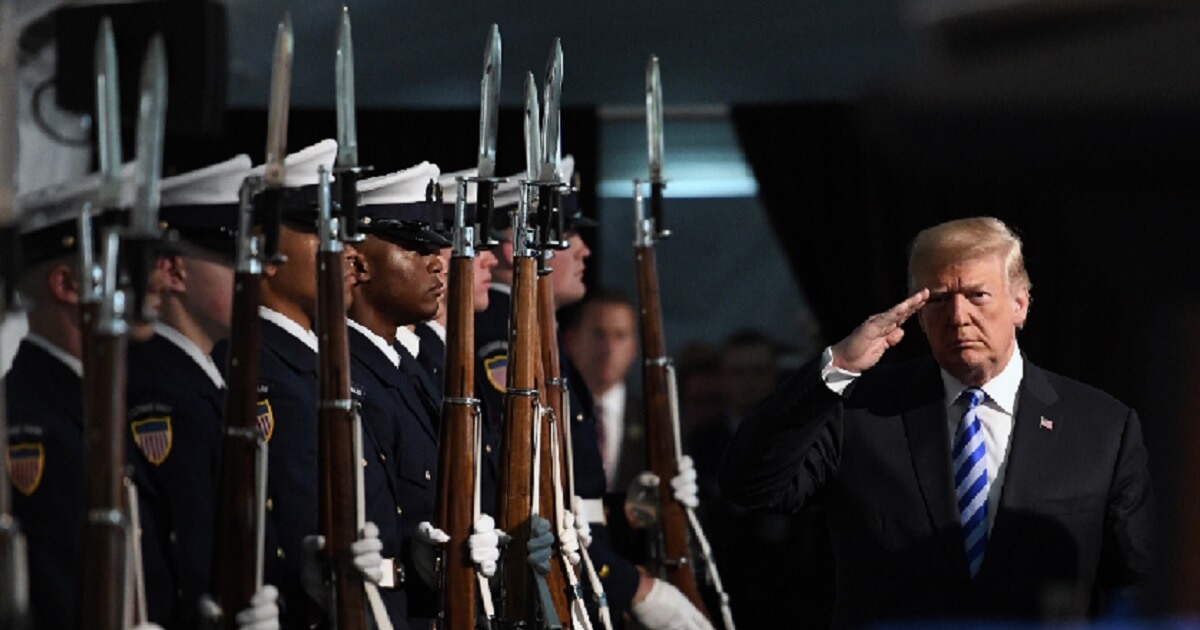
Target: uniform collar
{"x": 409, "y": 340}
{"x": 192, "y": 350}
{"x": 307, "y": 337}
{"x": 437, "y": 328}
{"x": 377, "y": 341}
{"x": 1002, "y": 390}
{"x": 75, "y": 364}
{"x": 501, "y": 288}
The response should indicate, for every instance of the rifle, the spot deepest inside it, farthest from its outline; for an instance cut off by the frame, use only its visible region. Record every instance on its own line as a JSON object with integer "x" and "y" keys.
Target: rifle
{"x": 242, "y": 486}
{"x": 672, "y": 545}
{"x": 458, "y": 440}
{"x": 14, "y": 575}
{"x": 107, "y": 536}
{"x": 522, "y": 408}
{"x": 557, "y": 459}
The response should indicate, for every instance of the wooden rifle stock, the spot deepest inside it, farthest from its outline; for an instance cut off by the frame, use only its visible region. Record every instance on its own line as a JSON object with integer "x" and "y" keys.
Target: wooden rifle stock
{"x": 455, "y": 510}
{"x": 105, "y": 538}
{"x": 338, "y": 506}
{"x": 516, "y": 454}
{"x": 661, "y": 441}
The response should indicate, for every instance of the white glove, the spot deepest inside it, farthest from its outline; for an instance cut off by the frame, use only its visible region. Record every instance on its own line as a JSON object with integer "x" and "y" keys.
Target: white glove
{"x": 484, "y": 545}
{"x": 368, "y": 553}
{"x": 568, "y": 538}
{"x": 582, "y": 527}
{"x": 263, "y": 612}
{"x": 146, "y": 626}
{"x": 684, "y": 484}
{"x": 425, "y": 551}
{"x": 665, "y": 608}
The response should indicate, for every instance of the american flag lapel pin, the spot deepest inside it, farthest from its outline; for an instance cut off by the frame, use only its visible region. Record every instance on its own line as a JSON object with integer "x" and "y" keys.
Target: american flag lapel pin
{"x": 1046, "y": 424}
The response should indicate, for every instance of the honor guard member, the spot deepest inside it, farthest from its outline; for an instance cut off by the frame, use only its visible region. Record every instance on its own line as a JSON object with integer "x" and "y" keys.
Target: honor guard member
{"x": 432, "y": 333}
{"x": 654, "y": 603}
{"x": 176, "y": 392}
{"x": 45, "y": 401}
{"x": 288, "y": 391}
{"x": 398, "y": 283}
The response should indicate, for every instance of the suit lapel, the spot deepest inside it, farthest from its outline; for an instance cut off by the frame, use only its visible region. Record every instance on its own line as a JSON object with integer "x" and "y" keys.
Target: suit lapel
{"x": 926, "y": 427}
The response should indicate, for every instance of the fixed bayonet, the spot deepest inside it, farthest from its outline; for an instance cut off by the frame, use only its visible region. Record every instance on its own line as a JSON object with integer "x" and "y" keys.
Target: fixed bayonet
{"x": 108, "y": 117}
{"x": 551, "y": 227}
{"x": 152, "y": 119}
{"x": 533, "y": 129}
{"x": 346, "y": 166}
{"x": 489, "y": 104}
{"x": 654, "y": 142}
{"x": 270, "y": 200}
{"x": 551, "y": 136}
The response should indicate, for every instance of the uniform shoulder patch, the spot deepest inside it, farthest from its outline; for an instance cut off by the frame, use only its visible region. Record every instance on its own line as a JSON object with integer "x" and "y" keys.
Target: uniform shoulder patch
{"x": 154, "y": 436}
{"x": 26, "y": 463}
{"x": 497, "y": 371}
{"x": 266, "y": 419}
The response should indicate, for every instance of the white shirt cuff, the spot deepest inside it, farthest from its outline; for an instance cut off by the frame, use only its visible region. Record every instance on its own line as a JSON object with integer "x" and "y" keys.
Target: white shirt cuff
{"x": 836, "y": 379}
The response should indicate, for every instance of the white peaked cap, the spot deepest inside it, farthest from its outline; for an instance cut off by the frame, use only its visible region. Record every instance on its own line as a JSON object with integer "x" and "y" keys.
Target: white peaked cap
{"x": 301, "y": 166}
{"x": 508, "y": 193}
{"x": 215, "y": 184}
{"x": 449, "y": 183}
{"x": 406, "y": 186}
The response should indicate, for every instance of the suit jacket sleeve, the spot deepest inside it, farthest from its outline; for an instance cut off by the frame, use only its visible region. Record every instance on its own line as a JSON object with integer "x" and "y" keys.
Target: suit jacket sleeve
{"x": 1126, "y": 555}
{"x": 788, "y": 448}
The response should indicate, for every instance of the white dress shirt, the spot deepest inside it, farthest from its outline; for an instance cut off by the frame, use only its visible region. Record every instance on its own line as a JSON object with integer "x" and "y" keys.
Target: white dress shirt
{"x": 996, "y": 414}
{"x": 611, "y": 409}
{"x": 193, "y": 351}
{"x": 75, "y": 364}
{"x": 384, "y": 346}
{"x": 409, "y": 340}
{"x": 308, "y": 337}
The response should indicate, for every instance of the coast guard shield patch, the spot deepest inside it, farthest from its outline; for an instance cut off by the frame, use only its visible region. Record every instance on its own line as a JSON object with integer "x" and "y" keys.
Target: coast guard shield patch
{"x": 497, "y": 371}
{"x": 26, "y": 462}
{"x": 266, "y": 419}
{"x": 154, "y": 436}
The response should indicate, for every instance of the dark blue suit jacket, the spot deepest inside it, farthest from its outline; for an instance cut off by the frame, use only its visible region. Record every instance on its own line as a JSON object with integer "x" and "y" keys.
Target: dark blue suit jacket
{"x": 45, "y": 441}
{"x": 175, "y": 422}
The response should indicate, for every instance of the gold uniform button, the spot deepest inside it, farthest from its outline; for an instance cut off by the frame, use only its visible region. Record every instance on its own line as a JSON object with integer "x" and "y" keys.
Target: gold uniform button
{"x": 399, "y": 510}
{"x": 270, "y": 504}
{"x": 604, "y": 571}
{"x": 383, "y": 456}
{"x": 579, "y": 417}
{"x": 279, "y": 553}
{"x": 488, "y": 448}
{"x": 428, "y": 476}
{"x": 364, "y": 462}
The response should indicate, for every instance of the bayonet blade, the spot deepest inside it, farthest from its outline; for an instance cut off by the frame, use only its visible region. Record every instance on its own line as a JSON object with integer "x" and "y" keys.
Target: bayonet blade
{"x": 533, "y": 137}
{"x": 152, "y": 119}
{"x": 277, "y": 112}
{"x": 551, "y": 136}
{"x": 654, "y": 119}
{"x": 108, "y": 117}
{"x": 347, "y": 129}
{"x": 489, "y": 103}
{"x": 9, "y": 147}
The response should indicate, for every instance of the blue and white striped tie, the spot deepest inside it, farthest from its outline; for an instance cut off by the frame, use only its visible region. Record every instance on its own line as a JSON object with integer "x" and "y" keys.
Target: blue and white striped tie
{"x": 971, "y": 479}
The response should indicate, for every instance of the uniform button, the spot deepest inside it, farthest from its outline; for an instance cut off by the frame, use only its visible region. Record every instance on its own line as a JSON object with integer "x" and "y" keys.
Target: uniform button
{"x": 172, "y": 537}
{"x": 364, "y": 462}
{"x": 428, "y": 476}
{"x": 279, "y": 552}
{"x": 270, "y": 504}
{"x": 487, "y": 447}
{"x": 383, "y": 456}
{"x": 399, "y": 510}
{"x": 579, "y": 417}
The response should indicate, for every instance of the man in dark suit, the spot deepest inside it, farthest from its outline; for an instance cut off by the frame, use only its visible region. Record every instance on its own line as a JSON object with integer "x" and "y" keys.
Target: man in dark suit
{"x": 975, "y": 484}
{"x": 601, "y": 339}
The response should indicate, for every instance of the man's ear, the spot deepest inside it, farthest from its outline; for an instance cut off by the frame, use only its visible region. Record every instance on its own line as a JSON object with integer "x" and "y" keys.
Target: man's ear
{"x": 172, "y": 274}
{"x": 1021, "y": 308}
{"x": 506, "y": 253}
{"x": 62, "y": 284}
{"x": 362, "y": 269}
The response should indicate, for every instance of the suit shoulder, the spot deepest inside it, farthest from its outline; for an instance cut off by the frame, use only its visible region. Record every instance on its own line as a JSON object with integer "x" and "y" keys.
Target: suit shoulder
{"x": 1085, "y": 397}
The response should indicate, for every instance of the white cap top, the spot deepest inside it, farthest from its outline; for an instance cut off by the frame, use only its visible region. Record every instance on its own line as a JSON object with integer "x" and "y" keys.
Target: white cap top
{"x": 449, "y": 183}
{"x": 406, "y": 186}
{"x": 508, "y": 193}
{"x": 302, "y": 165}
{"x": 212, "y": 185}
{"x": 59, "y": 202}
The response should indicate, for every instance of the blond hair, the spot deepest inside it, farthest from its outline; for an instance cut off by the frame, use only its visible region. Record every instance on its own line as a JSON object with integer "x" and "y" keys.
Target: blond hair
{"x": 963, "y": 240}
